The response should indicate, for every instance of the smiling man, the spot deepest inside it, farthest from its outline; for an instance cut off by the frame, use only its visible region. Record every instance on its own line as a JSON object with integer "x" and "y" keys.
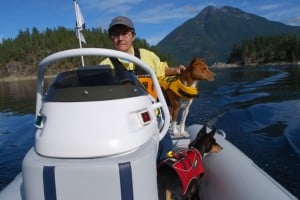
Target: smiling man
{"x": 122, "y": 34}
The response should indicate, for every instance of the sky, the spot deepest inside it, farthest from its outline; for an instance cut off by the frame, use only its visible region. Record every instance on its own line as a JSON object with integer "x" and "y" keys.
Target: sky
{"x": 153, "y": 19}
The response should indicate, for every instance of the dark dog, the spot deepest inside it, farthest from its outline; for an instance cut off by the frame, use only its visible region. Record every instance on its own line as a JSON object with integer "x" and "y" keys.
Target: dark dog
{"x": 180, "y": 91}
{"x": 177, "y": 183}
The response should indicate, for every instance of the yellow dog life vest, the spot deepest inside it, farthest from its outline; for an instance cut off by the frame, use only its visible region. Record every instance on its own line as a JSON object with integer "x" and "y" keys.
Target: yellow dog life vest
{"x": 173, "y": 83}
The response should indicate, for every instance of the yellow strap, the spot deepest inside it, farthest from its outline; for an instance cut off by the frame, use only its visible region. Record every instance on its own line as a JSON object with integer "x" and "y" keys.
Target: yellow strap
{"x": 148, "y": 84}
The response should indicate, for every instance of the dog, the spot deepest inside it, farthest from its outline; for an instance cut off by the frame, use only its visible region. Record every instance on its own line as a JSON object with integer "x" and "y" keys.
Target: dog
{"x": 179, "y": 175}
{"x": 180, "y": 91}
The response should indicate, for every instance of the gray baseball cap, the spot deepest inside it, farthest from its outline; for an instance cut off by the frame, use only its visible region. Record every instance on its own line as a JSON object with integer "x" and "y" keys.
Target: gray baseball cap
{"x": 120, "y": 20}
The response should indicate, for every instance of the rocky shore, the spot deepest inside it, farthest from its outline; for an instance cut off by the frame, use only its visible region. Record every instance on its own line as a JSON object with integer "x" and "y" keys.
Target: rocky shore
{"x": 226, "y": 65}
{"x": 21, "y": 78}
{"x": 215, "y": 65}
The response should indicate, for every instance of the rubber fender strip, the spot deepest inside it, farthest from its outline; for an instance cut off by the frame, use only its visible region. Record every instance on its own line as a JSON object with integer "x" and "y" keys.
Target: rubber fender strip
{"x": 126, "y": 181}
{"x": 49, "y": 183}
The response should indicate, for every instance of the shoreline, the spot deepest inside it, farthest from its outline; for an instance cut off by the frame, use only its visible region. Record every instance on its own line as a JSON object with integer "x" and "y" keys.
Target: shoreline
{"x": 15, "y": 78}
{"x": 22, "y": 78}
{"x": 226, "y": 65}
{"x": 216, "y": 65}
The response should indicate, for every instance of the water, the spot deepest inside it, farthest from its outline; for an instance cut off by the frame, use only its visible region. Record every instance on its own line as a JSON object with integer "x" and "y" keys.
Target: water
{"x": 17, "y": 102}
{"x": 259, "y": 108}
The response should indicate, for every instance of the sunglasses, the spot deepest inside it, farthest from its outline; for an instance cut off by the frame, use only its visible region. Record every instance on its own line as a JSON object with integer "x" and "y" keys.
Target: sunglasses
{"x": 115, "y": 34}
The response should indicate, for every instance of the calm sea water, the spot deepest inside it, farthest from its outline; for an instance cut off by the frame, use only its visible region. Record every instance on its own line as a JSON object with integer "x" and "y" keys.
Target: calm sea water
{"x": 258, "y": 107}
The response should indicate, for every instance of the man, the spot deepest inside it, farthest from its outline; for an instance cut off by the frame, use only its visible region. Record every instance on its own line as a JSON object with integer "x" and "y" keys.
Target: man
{"x": 122, "y": 34}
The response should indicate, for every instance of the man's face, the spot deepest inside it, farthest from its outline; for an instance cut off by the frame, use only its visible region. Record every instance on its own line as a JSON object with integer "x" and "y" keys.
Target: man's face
{"x": 122, "y": 38}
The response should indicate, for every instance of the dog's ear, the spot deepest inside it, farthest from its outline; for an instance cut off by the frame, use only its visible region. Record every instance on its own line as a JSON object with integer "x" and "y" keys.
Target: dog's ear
{"x": 193, "y": 61}
{"x": 203, "y": 60}
{"x": 202, "y": 130}
{"x": 212, "y": 132}
{"x": 196, "y": 59}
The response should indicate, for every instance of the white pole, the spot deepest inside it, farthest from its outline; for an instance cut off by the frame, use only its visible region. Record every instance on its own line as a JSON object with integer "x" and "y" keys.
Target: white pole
{"x": 78, "y": 28}
{"x": 80, "y": 45}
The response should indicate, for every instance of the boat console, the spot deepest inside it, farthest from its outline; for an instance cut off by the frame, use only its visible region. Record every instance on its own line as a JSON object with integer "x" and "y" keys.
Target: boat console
{"x": 97, "y": 134}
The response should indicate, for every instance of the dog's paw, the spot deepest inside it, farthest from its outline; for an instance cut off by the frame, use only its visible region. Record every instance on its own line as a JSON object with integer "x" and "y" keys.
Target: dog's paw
{"x": 182, "y": 131}
{"x": 179, "y": 134}
{"x": 184, "y": 134}
{"x": 176, "y": 132}
{"x": 174, "y": 129}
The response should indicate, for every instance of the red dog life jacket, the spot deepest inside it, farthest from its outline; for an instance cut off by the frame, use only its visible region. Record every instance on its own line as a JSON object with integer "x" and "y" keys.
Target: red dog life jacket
{"x": 188, "y": 165}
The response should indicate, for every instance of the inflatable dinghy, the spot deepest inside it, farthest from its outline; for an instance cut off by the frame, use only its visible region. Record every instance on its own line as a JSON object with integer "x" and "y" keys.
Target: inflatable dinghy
{"x": 97, "y": 135}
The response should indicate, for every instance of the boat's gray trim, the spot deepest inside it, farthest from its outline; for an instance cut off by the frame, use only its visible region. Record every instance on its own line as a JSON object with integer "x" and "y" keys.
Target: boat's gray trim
{"x": 126, "y": 181}
{"x": 49, "y": 182}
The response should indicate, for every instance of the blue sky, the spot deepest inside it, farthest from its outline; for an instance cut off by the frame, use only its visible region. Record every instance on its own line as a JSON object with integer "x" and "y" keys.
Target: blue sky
{"x": 153, "y": 19}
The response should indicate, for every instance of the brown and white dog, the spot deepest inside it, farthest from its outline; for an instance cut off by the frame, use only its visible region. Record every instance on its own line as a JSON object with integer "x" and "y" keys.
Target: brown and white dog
{"x": 188, "y": 79}
{"x": 179, "y": 175}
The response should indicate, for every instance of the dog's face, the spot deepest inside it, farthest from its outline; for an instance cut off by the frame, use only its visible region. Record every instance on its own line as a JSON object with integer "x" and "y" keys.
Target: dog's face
{"x": 200, "y": 71}
{"x": 205, "y": 142}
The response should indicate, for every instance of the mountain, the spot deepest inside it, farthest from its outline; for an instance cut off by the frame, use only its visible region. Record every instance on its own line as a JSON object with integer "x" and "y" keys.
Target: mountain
{"x": 214, "y": 31}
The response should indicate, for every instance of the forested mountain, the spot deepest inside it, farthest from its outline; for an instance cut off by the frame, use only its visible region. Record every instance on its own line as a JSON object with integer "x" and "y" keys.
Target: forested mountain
{"x": 214, "y": 32}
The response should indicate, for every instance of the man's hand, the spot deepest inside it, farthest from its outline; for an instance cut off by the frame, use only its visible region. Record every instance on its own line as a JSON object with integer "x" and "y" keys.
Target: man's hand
{"x": 180, "y": 69}
{"x": 174, "y": 70}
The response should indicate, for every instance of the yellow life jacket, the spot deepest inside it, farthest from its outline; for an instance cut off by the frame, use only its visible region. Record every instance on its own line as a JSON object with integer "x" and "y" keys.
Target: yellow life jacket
{"x": 173, "y": 83}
